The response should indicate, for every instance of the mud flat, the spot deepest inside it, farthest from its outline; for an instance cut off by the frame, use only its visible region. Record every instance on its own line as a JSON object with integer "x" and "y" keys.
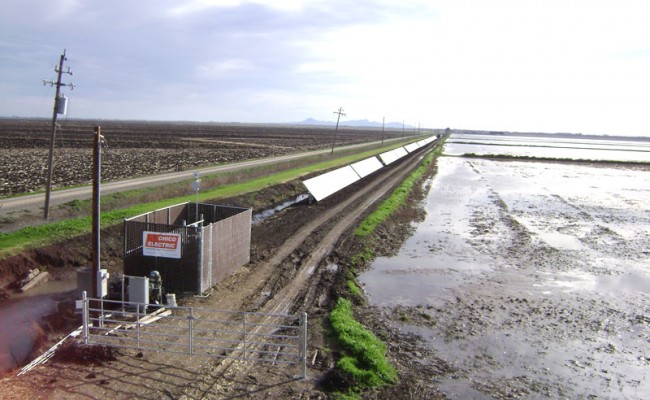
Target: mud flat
{"x": 530, "y": 279}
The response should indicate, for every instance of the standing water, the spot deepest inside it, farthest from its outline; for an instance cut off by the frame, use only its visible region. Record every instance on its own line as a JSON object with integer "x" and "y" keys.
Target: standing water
{"x": 535, "y": 276}
{"x": 269, "y": 212}
{"x": 21, "y": 319}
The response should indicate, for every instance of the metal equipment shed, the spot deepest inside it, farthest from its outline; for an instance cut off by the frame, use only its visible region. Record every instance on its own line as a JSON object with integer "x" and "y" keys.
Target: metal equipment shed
{"x": 213, "y": 242}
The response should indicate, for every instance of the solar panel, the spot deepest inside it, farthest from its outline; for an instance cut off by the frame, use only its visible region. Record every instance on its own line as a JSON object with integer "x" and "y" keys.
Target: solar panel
{"x": 324, "y": 185}
{"x": 388, "y": 157}
{"x": 367, "y": 166}
{"x": 400, "y": 152}
{"x": 411, "y": 147}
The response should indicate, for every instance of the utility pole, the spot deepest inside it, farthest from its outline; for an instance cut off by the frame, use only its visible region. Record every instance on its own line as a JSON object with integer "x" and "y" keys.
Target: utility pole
{"x": 196, "y": 185}
{"x": 97, "y": 174}
{"x": 60, "y": 105}
{"x": 339, "y": 112}
{"x": 383, "y": 123}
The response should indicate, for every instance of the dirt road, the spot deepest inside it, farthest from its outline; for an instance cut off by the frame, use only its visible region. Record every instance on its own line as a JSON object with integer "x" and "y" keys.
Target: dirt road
{"x": 35, "y": 201}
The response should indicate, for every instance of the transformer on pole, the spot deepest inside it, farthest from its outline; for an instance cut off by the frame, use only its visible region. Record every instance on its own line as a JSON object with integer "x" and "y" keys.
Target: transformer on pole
{"x": 60, "y": 107}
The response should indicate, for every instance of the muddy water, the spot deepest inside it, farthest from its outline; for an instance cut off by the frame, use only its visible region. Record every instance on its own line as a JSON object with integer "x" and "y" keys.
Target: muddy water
{"x": 438, "y": 250}
{"x": 21, "y": 320}
{"x": 535, "y": 278}
{"x": 264, "y": 214}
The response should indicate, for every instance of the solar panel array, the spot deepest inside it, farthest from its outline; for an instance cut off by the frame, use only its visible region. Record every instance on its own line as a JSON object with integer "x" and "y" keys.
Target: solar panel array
{"x": 331, "y": 182}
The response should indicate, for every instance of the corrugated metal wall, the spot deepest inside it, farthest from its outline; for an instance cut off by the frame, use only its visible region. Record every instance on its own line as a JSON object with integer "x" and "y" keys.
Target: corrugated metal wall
{"x": 209, "y": 254}
{"x": 231, "y": 243}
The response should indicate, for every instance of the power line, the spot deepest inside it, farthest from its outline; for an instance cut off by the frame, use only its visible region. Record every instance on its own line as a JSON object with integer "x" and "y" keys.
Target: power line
{"x": 60, "y": 105}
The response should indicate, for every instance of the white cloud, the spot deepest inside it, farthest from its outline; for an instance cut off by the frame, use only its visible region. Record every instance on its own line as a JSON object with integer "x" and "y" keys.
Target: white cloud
{"x": 195, "y": 6}
{"x": 221, "y": 68}
{"x": 503, "y": 64}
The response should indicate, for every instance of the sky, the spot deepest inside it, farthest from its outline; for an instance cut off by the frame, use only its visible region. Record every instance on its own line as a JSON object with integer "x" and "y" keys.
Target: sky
{"x": 580, "y": 66}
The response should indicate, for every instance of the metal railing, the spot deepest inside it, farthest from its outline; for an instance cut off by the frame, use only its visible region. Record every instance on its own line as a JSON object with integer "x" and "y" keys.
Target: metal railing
{"x": 248, "y": 336}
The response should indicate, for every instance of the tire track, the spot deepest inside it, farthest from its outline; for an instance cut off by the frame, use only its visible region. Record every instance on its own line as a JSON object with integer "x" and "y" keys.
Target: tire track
{"x": 282, "y": 301}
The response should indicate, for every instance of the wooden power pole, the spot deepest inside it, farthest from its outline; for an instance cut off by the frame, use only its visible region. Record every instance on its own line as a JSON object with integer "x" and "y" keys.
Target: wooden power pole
{"x": 97, "y": 174}
{"x": 339, "y": 112}
{"x": 60, "y": 105}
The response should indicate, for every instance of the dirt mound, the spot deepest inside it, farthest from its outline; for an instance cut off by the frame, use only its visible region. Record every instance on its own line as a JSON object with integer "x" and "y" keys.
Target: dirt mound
{"x": 82, "y": 354}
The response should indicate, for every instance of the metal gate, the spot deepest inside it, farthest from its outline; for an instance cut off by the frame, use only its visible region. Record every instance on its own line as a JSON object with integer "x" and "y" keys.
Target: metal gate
{"x": 250, "y": 336}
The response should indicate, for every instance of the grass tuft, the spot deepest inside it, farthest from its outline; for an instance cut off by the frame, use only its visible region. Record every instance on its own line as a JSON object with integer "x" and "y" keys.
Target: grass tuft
{"x": 344, "y": 396}
{"x": 364, "y": 360}
{"x": 354, "y": 289}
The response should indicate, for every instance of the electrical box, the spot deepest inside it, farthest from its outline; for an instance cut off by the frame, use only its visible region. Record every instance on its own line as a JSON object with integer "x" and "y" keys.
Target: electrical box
{"x": 103, "y": 282}
{"x": 85, "y": 282}
{"x": 61, "y": 105}
{"x": 138, "y": 291}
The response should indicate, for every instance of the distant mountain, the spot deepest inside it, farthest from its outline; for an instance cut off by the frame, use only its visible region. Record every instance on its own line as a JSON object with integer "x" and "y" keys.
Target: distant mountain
{"x": 311, "y": 121}
{"x": 359, "y": 123}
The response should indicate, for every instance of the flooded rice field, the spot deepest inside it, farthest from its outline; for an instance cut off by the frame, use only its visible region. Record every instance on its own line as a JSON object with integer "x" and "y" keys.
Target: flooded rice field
{"x": 560, "y": 148}
{"x": 531, "y": 278}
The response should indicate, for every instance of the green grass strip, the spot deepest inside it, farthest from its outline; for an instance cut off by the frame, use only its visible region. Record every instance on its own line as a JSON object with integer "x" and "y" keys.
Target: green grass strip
{"x": 364, "y": 360}
{"x": 364, "y": 357}
{"x": 509, "y": 157}
{"x": 579, "y": 146}
{"x": 395, "y": 201}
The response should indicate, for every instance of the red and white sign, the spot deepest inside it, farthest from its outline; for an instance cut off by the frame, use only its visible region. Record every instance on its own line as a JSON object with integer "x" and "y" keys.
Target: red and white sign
{"x": 161, "y": 244}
